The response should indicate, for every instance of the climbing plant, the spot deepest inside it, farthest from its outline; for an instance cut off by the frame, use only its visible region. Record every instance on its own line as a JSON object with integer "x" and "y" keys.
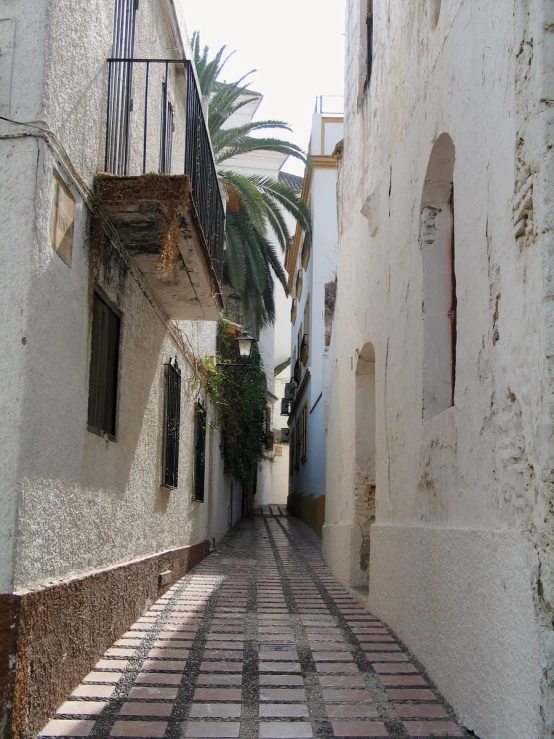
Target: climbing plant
{"x": 238, "y": 389}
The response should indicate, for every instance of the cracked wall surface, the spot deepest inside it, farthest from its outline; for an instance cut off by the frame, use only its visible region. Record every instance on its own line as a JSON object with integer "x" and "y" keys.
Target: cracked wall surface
{"x": 476, "y": 479}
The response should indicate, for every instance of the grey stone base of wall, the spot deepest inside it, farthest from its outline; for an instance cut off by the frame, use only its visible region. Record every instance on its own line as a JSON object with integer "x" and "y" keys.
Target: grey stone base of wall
{"x": 51, "y": 638}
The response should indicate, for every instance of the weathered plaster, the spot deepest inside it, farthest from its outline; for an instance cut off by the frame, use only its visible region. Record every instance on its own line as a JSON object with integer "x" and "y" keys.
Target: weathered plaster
{"x": 480, "y": 472}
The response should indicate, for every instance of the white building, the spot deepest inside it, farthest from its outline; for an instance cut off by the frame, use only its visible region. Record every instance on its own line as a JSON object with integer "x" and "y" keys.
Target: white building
{"x": 108, "y": 290}
{"x": 311, "y": 266}
{"x": 440, "y": 413}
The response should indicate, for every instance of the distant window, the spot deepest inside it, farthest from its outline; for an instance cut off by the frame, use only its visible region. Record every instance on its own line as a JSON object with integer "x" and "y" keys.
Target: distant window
{"x": 104, "y": 359}
{"x": 292, "y": 450}
{"x": 302, "y": 436}
{"x": 199, "y": 453}
{"x": 172, "y": 425}
{"x": 268, "y": 428}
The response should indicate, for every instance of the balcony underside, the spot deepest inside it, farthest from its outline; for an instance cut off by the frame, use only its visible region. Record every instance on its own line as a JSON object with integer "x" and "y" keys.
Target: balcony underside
{"x": 155, "y": 219}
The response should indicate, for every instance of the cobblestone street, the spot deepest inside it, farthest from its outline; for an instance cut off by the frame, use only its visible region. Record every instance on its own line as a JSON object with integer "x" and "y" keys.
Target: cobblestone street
{"x": 261, "y": 641}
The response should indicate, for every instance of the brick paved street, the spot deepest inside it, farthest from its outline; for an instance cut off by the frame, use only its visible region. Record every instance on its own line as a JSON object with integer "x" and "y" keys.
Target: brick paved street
{"x": 261, "y": 641}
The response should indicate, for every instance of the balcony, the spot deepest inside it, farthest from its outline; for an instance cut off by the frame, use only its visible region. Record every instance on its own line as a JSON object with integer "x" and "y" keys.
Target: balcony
{"x": 159, "y": 188}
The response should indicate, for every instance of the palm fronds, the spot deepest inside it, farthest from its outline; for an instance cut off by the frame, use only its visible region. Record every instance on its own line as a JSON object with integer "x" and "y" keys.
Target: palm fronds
{"x": 255, "y": 204}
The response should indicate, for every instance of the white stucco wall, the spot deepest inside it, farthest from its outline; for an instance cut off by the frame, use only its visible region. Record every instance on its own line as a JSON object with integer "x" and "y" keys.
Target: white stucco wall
{"x": 464, "y": 500}
{"x": 309, "y": 478}
{"x": 71, "y": 501}
{"x": 85, "y": 502}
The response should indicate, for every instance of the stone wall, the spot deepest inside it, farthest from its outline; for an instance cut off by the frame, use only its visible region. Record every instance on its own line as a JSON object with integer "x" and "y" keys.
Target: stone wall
{"x": 471, "y": 483}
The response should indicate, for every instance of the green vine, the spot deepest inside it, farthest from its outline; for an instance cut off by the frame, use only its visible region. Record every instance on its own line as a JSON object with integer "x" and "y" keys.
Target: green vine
{"x": 239, "y": 392}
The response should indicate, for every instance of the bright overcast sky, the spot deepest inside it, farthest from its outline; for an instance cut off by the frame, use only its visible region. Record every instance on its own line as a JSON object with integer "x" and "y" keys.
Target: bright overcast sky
{"x": 296, "y": 46}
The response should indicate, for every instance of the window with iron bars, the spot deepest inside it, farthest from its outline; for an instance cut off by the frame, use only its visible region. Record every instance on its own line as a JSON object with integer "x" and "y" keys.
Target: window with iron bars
{"x": 199, "y": 452}
{"x": 172, "y": 426}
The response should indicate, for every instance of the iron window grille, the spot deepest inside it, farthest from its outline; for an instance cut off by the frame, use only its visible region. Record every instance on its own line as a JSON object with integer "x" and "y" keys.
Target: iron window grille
{"x": 172, "y": 426}
{"x": 104, "y": 358}
{"x": 199, "y": 452}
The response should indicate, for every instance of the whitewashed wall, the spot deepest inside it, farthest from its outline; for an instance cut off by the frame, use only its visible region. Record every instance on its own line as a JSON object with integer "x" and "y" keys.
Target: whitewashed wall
{"x": 71, "y": 501}
{"x": 461, "y": 562}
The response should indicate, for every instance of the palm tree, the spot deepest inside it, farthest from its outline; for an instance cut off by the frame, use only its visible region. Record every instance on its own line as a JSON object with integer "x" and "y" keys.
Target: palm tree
{"x": 254, "y": 203}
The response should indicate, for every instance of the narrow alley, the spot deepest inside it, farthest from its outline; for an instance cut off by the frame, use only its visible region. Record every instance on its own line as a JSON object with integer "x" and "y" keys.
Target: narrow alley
{"x": 259, "y": 640}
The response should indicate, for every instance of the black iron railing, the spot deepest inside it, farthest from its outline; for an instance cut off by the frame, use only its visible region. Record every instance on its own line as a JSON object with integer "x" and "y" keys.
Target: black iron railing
{"x": 154, "y": 120}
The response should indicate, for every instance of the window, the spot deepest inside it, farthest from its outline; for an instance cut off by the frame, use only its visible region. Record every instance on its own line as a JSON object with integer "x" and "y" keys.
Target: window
{"x": 172, "y": 426}
{"x": 298, "y": 450}
{"x": 369, "y": 43}
{"x": 103, "y": 368}
{"x": 299, "y": 282}
{"x": 199, "y": 453}
{"x": 302, "y": 436}
{"x": 121, "y": 87}
{"x": 305, "y": 341}
{"x": 292, "y": 449}
{"x": 306, "y": 250}
{"x": 268, "y": 428}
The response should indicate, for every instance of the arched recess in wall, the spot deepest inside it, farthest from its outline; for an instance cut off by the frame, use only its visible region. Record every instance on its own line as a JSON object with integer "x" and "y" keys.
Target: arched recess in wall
{"x": 439, "y": 279}
{"x": 365, "y": 466}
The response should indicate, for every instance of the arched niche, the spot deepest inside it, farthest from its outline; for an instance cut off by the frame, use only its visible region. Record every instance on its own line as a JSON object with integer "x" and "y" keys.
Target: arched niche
{"x": 439, "y": 279}
{"x": 365, "y": 466}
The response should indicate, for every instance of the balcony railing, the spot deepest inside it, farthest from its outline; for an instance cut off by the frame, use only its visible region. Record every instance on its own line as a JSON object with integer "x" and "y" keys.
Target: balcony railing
{"x": 155, "y": 123}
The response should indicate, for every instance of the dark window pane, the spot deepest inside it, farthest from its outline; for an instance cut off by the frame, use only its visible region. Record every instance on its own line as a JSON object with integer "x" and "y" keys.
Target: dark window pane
{"x": 172, "y": 425}
{"x": 103, "y": 367}
{"x": 200, "y": 452}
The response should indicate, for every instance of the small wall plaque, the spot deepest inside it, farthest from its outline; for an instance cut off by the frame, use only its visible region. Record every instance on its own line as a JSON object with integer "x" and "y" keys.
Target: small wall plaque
{"x": 62, "y": 219}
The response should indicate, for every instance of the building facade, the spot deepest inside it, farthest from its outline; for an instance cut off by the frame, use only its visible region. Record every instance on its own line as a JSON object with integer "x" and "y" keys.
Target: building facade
{"x": 311, "y": 266}
{"x": 439, "y": 499}
{"x": 111, "y": 477}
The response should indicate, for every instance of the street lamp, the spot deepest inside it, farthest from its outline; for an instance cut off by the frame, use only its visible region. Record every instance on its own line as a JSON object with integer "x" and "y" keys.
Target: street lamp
{"x": 245, "y": 342}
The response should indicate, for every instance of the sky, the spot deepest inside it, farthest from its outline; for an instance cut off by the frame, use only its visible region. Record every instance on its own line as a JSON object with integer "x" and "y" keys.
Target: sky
{"x": 296, "y": 46}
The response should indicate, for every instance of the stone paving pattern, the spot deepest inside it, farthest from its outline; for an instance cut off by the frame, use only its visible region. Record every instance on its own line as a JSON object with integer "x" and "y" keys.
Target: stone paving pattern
{"x": 259, "y": 641}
